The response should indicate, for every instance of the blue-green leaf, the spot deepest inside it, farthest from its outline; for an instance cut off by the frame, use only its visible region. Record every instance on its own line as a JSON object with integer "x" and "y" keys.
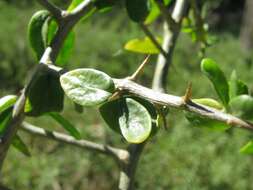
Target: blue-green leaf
{"x": 87, "y": 87}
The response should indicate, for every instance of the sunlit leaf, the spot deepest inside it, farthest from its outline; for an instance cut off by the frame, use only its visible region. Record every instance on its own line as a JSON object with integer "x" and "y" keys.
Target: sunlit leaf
{"x": 74, "y": 4}
{"x": 6, "y": 102}
{"x": 66, "y": 125}
{"x": 154, "y": 12}
{"x": 218, "y": 79}
{"x": 144, "y": 46}
{"x": 209, "y": 102}
{"x": 87, "y": 87}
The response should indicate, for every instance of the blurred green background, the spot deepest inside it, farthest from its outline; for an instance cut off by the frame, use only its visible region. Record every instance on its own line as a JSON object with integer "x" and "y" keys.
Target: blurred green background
{"x": 183, "y": 157}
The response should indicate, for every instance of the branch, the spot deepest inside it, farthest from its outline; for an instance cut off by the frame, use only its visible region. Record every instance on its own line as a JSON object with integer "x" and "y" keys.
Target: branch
{"x": 169, "y": 41}
{"x": 128, "y": 170}
{"x": 55, "y": 11}
{"x": 177, "y": 102}
{"x": 119, "y": 154}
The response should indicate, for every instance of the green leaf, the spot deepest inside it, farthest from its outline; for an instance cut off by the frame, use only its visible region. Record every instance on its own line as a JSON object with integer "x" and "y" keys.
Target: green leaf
{"x": 242, "y": 106}
{"x": 209, "y": 102}
{"x": 167, "y": 2}
{"x": 248, "y": 148}
{"x": 74, "y": 4}
{"x": 198, "y": 121}
{"x": 218, "y": 79}
{"x": 154, "y": 12}
{"x": 18, "y": 143}
{"x": 128, "y": 117}
{"x": 236, "y": 87}
{"x": 67, "y": 47}
{"x": 144, "y": 46}
{"x": 87, "y": 87}
{"x": 5, "y": 118}
{"x": 35, "y": 34}
{"x": 7, "y": 101}
{"x": 66, "y": 125}
{"x": 137, "y": 10}
{"x": 45, "y": 94}
{"x": 111, "y": 112}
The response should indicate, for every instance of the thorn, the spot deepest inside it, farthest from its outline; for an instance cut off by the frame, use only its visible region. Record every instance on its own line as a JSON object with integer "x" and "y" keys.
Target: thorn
{"x": 188, "y": 93}
{"x": 115, "y": 96}
{"x": 134, "y": 76}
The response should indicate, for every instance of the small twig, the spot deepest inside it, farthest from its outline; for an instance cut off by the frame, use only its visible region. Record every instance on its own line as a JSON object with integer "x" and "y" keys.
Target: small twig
{"x": 139, "y": 70}
{"x": 54, "y": 10}
{"x": 166, "y": 13}
{"x": 153, "y": 39}
{"x": 119, "y": 154}
{"x": 169, "y": 41}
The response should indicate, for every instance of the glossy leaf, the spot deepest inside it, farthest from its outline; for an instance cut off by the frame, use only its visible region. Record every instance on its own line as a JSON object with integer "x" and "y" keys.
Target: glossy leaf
{"x": 144, "y": 46}
{"x": 135, "y": 123}
{"x": 18, "y": 143}
{"x": 128, "y": 117}
{"x": 218, "y": 79}
{"x": 209, "y": 102}
{"x": 45, "y": 94}
{"x": 137, "y": 10}
{"x": 5, "y": 118}
{"x": 66, "y": 125}
{"x": 248, "y": 148}
{"x": 87, "y": 87}
{"x": 35, "y": 36}
{"x": 198, "y": 121}
{"x": 6, "y": 102}
{"x": 242, "y": 106}
{"x": 236, "y": 87}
